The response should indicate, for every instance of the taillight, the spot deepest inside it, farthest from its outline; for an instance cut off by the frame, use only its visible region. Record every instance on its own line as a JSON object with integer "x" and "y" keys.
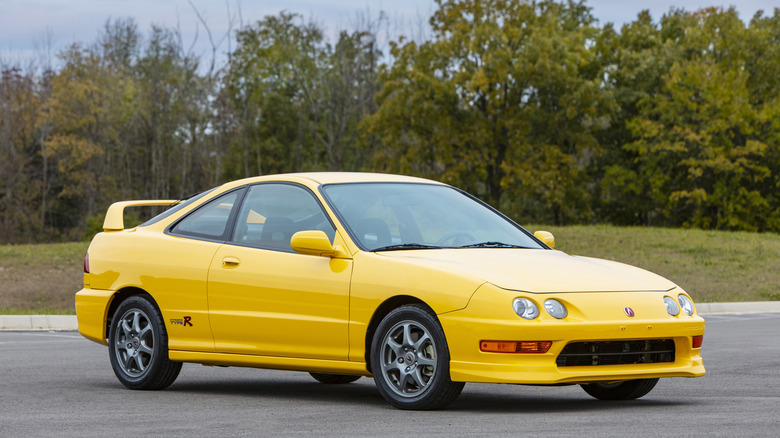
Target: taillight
{"x": 515, "y": 346}
{"x": 86, "y": 264}
{"x": 696, "y": 341}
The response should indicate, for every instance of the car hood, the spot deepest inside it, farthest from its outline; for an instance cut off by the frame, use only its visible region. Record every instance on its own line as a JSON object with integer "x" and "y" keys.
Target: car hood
{"x": 537, "y": 270}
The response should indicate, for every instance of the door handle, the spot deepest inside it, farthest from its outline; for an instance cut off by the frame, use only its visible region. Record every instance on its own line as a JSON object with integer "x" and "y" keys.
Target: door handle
{"x": 230, "y": 262}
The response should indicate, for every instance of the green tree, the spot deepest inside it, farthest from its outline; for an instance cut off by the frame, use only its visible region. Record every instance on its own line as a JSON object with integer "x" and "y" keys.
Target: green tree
{"x": 300, "y": 99}
{"x": 272, "y": 80}
{"x": 503, "y": 101}
{"x": 697, "y": 158}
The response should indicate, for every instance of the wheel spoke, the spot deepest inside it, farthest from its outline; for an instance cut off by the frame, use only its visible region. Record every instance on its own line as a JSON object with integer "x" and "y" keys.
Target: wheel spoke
{"x": 403, "y": 381}
{"x": 143, "y": 348}
{"x": 397, "y": 348}
{"x": 417, "y": 378}
{"x": 407, "y": 340}
{"x": 140, "y": 363}
{"x": 126, "y": 329}
{"x": 142, "y": 333}
{"x": 421, "y": 342}
{"x": 424, "y": 361}
{"x": 128, "y": 360}
{"x": 137, "y": 322}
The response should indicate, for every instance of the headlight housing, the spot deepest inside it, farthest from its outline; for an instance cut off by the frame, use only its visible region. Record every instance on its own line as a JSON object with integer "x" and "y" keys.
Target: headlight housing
{"x": 671, "y": 306}
{"x": 686, "y": 304}
{"x": 555, "y": 308}
{"x": 525, "y": 308}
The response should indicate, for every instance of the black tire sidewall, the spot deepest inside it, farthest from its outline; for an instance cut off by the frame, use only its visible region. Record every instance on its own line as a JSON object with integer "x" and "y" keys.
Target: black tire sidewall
{"x": 429, "y": 399}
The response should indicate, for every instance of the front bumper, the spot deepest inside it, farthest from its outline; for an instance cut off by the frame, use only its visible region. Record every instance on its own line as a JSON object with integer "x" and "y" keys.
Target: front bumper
{"x": 593, "y": 317}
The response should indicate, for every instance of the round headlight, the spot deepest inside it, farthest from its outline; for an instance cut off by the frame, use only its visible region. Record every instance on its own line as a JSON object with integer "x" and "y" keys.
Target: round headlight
{"x": 686, "y": 304}
{"x": 555, "y": 308}
{"x": 671, "y": 306}
{"x": 525, "y": 308}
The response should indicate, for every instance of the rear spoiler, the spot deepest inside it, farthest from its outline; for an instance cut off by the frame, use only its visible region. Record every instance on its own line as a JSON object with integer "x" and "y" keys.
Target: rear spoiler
{"x": 115, "y": 216}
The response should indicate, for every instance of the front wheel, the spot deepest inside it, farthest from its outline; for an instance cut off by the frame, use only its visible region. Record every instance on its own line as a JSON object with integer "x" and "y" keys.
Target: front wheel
{"x": 627, "y": 390}
{"x": 411, "y": 362}
{"x": 138, "y": 346}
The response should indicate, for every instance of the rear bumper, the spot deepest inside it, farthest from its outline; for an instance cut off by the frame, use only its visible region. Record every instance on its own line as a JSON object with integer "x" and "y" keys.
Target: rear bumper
{"x": 91, "y": 309}
{"x": 489, "y": 317}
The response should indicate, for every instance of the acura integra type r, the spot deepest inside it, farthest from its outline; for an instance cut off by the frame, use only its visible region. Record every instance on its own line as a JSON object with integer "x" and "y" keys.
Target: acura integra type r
{"x": 413, "y": 282}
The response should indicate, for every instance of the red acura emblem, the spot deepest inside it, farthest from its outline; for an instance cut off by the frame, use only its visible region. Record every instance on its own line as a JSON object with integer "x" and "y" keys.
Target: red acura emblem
{"x": 629, "y": 312}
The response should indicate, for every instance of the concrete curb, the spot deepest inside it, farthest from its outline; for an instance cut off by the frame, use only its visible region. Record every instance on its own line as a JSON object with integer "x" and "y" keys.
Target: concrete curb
{"x": 745, "y": 307}
{"x": 38, "y": 322}
{"x": 68, "y": 322}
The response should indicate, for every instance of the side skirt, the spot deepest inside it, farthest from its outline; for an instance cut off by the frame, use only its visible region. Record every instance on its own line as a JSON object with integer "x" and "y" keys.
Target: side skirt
{"x": 270, "y": 362}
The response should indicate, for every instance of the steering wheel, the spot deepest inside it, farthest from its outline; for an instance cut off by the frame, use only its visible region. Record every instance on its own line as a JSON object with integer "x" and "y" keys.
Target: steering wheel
{"x": 457, "y": 238}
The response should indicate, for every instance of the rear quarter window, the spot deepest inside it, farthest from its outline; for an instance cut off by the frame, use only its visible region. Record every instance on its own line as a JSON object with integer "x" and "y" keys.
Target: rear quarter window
{"x": 210, "y": 221}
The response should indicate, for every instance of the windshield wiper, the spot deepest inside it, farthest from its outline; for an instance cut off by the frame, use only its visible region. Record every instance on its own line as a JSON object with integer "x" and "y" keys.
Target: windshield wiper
{"x": 405, "y": 246}
{"x": 492, "y": 244}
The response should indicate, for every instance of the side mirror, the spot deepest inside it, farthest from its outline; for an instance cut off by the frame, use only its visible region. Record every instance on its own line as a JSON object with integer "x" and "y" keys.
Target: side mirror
{"x": 546, "y": 237}
{"x": 312, "y": 242}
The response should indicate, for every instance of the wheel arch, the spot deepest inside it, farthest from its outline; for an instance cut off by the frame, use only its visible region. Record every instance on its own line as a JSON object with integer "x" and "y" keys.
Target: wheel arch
{"x": 383, "y": 310}
{"x": 117, "y": 299}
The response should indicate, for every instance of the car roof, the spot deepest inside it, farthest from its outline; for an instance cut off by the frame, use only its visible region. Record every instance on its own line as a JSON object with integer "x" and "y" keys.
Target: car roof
{"x": 336, "y": 177}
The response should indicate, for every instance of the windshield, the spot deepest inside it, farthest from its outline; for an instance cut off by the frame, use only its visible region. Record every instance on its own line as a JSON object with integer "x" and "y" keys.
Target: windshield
{"x": 395, "y": 216}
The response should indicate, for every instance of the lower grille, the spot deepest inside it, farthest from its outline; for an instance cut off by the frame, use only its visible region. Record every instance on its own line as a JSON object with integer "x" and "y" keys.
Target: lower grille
{"x": 578, "y": 354}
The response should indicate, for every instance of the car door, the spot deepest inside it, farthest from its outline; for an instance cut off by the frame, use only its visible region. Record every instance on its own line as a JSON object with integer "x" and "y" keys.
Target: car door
{"x": 264, "y": 298}
{"x": 176, "y": 271}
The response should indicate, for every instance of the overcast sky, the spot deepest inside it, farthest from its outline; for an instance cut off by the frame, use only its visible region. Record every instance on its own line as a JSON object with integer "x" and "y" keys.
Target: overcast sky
{"x": 24, "y": 24}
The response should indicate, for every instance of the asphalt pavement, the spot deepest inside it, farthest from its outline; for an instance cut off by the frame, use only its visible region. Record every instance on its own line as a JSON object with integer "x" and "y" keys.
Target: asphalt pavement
{"x": 59, "y": 384}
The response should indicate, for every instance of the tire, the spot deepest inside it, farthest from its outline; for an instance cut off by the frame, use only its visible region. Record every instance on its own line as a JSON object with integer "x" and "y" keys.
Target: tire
{"x": 628, "y": 390}
{"x": 138, "y": 346}
{"x": 410, "y": 360}
{"x": 334, "y": 379}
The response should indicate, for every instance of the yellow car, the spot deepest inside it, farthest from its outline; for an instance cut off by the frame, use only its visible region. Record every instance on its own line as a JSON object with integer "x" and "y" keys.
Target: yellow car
{"x": 343, "y": 275}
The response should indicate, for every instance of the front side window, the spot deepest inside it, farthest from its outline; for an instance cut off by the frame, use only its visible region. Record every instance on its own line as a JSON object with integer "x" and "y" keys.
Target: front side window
{"x": 209, "y": 221}
{"x": 271, "y": 213}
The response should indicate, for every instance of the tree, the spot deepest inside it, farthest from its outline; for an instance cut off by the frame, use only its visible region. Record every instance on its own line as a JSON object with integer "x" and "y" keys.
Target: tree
{"x": 21, "y": 182}
{"x": 300, "y": 99}
{"x": 503, "y": 101}
{"x": 272, "y": 81}
{"x": 697, "y": 157}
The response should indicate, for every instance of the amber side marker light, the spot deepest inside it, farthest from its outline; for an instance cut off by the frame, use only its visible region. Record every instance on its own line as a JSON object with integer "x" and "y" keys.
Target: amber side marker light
{"x": 696, "y": 341}
{"x": 515, "y": 346}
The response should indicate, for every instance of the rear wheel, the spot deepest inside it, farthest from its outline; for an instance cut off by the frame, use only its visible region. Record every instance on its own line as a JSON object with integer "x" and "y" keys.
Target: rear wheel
{"x": 334, "y": 379}
{"x": 411, "y": 362}
{"x": 138, "y": 346}
{"x": 627, "y": 390}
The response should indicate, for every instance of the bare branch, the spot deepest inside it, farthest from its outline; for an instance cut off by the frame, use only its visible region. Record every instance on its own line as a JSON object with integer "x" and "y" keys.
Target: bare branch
{"x": 208, "y": 32}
